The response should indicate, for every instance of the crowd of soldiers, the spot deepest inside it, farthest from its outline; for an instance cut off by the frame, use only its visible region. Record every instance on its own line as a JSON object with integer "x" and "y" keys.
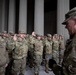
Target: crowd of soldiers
{"x": 23, "y": 48}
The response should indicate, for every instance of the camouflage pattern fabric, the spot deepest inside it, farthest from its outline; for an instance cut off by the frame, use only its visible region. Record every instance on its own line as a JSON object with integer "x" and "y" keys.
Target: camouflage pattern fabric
{"x": 38, "y": 52}
{"x": 69, "y": 60}
{"x": 56, "y": 50}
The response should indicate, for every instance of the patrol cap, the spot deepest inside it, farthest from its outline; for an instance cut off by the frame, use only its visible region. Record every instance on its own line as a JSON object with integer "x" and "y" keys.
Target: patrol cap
{"x": 38, "y": 35}
{"x": 69, "y": 15}
{"x": 49, "y": 35}
{"x": 11, "y": 33}
{"x": 55, "y": 35}
{"x": 21, "y": 32}
{"x": 4, "y": 32}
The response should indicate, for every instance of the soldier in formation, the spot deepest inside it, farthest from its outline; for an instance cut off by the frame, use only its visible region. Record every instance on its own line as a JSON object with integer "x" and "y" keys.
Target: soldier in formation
{"x": 19, "y": 55}
{"x": 4, "y": 59}
{"x": 48, "y": 51}
{"x": 56, "y": 48}
{"x": 61, "y": 48}
{"x": 21, "y": 47}
{"x": 38, "y": 53}
{"x": 9, "y": 47}
{"x": 31, "y": 41}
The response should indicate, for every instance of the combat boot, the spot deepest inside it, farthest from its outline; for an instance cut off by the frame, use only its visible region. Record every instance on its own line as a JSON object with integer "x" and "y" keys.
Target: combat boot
{"x": 46, "y": 71}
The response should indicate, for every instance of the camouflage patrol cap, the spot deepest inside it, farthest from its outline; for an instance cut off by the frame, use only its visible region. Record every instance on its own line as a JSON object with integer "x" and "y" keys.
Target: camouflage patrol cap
{"x": 38, "y": 35}
{"x": 21, "y": 32}
{"x": 11, "y": 33}
{"x": 49, "y": 35}
{"x": 55, "y": 35}
{"x": 4, "y": 32}
{"x": 69, "y": 15}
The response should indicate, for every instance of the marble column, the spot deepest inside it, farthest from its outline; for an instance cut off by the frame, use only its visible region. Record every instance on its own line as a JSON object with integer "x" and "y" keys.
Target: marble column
{"x": 3, "y": 15}
{"x": 23, "y": 16}
{"x": 39, "y": 17}
{"x": 11, "y": 19}
{"x": 62, "y": 8}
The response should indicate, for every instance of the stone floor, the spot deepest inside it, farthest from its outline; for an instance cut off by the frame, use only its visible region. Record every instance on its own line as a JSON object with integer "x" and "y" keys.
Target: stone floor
{"x": 29, "y": 71}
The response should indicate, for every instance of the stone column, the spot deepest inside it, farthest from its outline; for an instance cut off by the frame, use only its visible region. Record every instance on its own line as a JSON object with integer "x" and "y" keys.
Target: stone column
{"x": 39, "y": 17}
{"x": 11, "y": 19}
{"x": 23, "y": 16}
{"x": 3, "y": 15}
{"x": 62, "y": 8}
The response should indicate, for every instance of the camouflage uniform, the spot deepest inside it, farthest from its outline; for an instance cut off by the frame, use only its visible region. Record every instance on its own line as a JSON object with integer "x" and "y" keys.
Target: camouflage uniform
{"x": 3, "y": 56}
{"x": 31, "y": 50}
{"x": 19, "y": 57}
{"x": 43, "y": 57}
{"x": 38, "y": 52}
{"x": 61, "y": 49}
{"x": 69, "y": 59}
{"x": 48, "y": 52}
{"x": 10, "y": 46}
{"x": 56, "y": 49}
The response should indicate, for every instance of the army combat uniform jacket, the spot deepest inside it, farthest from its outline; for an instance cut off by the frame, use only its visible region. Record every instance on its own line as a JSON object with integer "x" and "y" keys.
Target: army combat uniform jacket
{"x": 69, "y": 60}
{"x": 38, "y": 47}
{"x": 4, "y": 60}
{"x": 20, "y": 50}
{"x": 48, "y": 47}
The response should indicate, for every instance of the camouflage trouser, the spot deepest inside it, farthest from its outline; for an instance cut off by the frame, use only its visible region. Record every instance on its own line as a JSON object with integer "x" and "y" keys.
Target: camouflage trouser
{"x": 30, "y": 57}
{"x": 47, "y": 57}
{"x": 56, "y": 56}
{"x": 19, "y": 66}
{"x": 2, "y": 70}
{"x": 61, "y": 54}
{"x": 8, "y": 68}
{"x": 37, "y": 62}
